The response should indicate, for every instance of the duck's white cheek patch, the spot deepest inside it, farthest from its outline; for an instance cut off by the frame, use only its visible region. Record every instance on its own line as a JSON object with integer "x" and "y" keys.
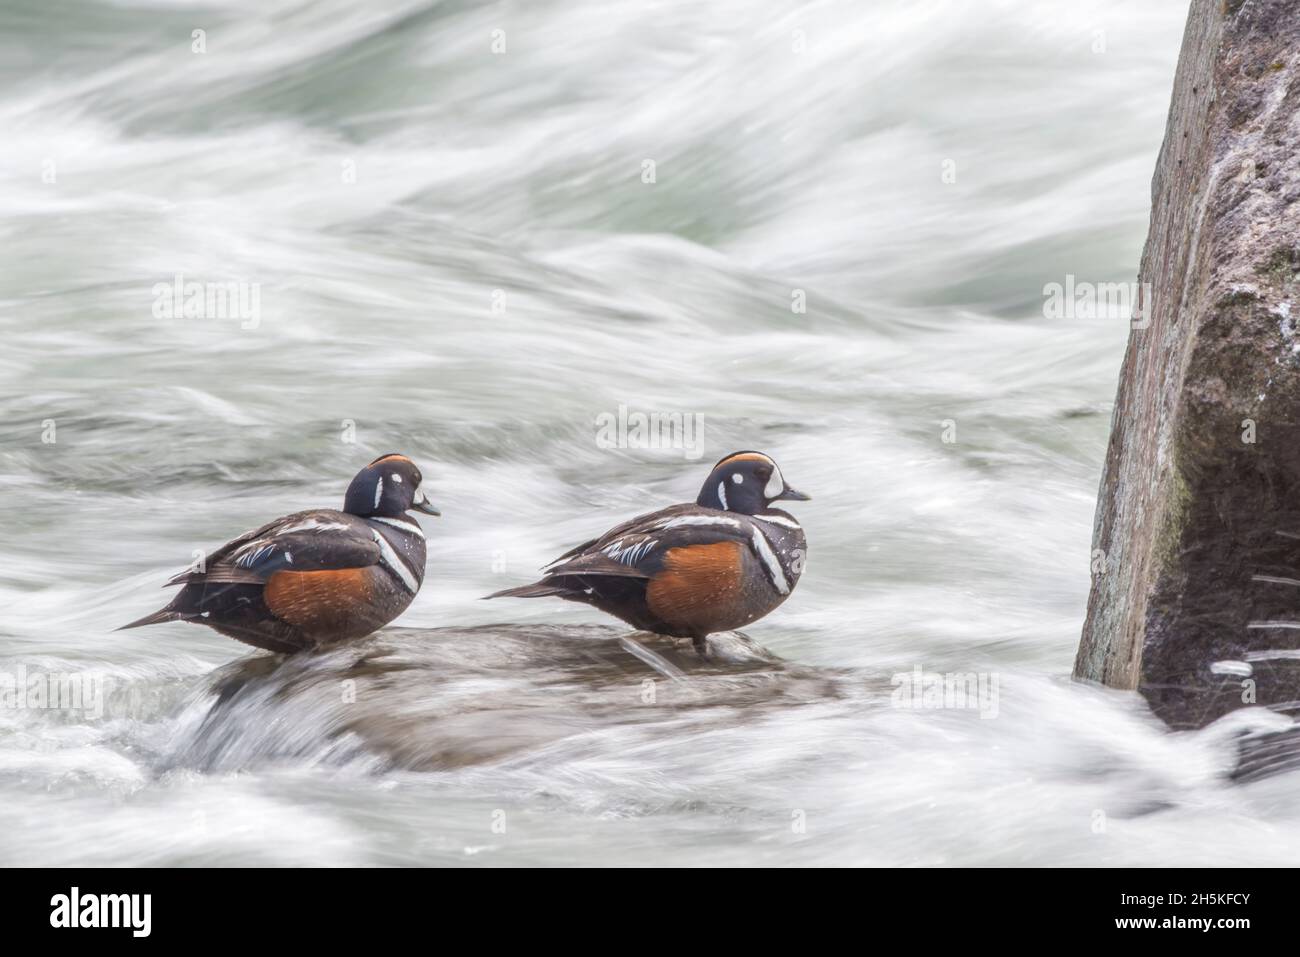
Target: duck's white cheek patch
{"x": 737, "y": 477}
{"x": 775, "y": 485}
{"x": 396, "y": 478}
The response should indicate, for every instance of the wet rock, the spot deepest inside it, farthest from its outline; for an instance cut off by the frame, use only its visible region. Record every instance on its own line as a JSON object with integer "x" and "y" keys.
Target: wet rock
{"x": 1196, "y": 563}
{"x": 447, "y": 698}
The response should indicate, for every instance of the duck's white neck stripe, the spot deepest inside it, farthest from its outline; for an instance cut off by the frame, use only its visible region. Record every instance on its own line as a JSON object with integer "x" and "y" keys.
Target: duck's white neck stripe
{"x": 774, "y": 569}
{"x": 399, "y": 523}
{"x": 394, "y": 562}
{"x": 722, "y": 494}
{"x": 778, "y": 520}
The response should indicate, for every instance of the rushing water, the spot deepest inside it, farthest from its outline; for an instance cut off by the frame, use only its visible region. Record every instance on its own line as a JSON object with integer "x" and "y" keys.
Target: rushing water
{"x": 454, "y": 253}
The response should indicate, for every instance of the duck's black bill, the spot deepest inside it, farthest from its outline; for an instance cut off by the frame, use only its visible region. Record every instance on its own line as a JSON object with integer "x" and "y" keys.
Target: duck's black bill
{"x": 424, "y": 505}
{"x": 794, "y": 495}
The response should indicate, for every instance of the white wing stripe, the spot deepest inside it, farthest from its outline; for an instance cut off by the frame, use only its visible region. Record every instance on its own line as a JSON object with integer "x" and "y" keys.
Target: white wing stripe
{"x": 311, "y": 525}
{"x": 253, "y": 553}
{"x": 629, "y": 554}
{"x": 699, "y": 520}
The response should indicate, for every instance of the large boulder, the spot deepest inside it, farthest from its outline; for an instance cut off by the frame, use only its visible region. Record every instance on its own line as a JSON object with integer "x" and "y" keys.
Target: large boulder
{"x": 1196, "y": 569}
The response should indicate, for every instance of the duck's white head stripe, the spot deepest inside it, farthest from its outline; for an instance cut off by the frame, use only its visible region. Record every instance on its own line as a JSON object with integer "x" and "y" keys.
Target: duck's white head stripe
{"x": 773, "y": 564}
{"x": 775, "y": 484}
{"x": 379, "y": 492}
{"x": 722, "y": 493}
{"x": 392, "y": 561}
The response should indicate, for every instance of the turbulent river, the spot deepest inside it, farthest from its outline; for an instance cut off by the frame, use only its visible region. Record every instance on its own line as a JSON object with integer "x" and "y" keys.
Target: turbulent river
{"x": 472, "y": 232}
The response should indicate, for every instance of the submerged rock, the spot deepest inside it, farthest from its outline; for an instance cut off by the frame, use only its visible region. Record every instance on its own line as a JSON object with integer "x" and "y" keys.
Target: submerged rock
{"x": 1196, "y": 562}
{"x": 445, "y": 698}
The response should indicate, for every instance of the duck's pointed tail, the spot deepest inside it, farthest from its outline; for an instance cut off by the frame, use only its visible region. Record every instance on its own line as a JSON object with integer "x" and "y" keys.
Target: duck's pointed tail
{"x": 162, "y": 614}
{"x": 536, "y": 590}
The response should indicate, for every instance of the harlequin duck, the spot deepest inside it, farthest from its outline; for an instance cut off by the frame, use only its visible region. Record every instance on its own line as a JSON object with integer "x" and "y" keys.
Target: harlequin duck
{"x": 691, "y": 570}
{"x": 314, "y": 577}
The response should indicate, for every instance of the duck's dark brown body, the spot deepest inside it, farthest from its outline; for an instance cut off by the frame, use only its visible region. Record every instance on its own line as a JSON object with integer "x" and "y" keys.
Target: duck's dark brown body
{"x": 316, "y": 577}
{"x": 685, "y": 571}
